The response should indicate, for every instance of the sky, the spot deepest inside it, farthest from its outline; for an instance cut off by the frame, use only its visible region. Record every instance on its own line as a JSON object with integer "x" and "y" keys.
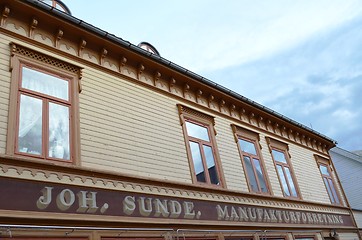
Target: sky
{"x": 301, "y": 58}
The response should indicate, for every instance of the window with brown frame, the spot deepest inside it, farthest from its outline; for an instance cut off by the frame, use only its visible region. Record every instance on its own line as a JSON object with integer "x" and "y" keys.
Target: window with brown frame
{"x": 201, "y": 146}
{"x": 325, "y": 170}
{"x": 43, "y": 107}
{"x": 249, "y": 149}
{"x": 280, "y": 155}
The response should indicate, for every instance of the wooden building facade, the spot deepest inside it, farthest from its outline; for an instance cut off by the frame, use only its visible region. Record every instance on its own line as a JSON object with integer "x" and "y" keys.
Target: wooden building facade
{"x": 101, "y": 139}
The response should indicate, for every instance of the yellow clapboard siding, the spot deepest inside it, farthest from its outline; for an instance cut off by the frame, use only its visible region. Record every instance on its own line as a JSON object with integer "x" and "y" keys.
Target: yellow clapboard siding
{"x": 229, "y": 155}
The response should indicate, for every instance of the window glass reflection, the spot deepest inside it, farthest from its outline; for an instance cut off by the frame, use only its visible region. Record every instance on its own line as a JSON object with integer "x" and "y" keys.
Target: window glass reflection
{"x": 260, "y": 176}
{"x": 336, "y": 200}
{"x": 30, "y": 125}
{"x": 324, "y": 170}
{"x": 247, "y": 146}
{"x": 290, "y": 181}
{"x": 196, "y": 157}
{"x": 44, "y": 83}
{"x": 282, "y": 179}
{"x": 197, "y": 131}
{"x": 59, "y": 131}
{"x": 251, "y": 176}
{"x": 279, "y": 156}
{"x": 210, "y": 162}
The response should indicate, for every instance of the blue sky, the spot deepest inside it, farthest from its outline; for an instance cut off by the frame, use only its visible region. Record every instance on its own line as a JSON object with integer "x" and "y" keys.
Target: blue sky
{"x": 301, "y": 58}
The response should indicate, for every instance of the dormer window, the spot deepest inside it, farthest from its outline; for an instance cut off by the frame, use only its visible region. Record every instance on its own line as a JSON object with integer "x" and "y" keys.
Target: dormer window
{"x": 58, "y": 5}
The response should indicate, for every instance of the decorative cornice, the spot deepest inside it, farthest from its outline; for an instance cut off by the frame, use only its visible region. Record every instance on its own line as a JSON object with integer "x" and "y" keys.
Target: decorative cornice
{"x": 147, "y": 72}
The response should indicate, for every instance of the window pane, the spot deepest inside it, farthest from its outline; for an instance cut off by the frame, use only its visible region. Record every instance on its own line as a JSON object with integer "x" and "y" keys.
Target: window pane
{"x": 279, "y": 156}
{"x": 44, "y": 83}
{"x": 328, "y": 189}
{"x": 324, "y": 170}
{"x": 59, "y": 131}
{"x": 291, "y": 183}
{"x": 333, "y": 190}
{"x": 282, "y": 179}
{"x": 260, "y": 175}
{"x": 210, "y": 162}
{"x": 251, "y": 176}
{"x": 196, "y": 157}
{"x": 197, "y": 131}
{"x": 30, "y": 125}
{"x": 247, "y": 146}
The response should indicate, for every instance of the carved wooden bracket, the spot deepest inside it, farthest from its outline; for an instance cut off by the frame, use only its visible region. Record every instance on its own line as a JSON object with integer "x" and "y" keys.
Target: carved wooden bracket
{"x": 198, "y": 95}
{"x": 141, "y": 68}
{"x": 122, "y": 63}
{"x": 58, "y": 36}
{"x": 33, "y": 25}
{"x": 103, "y": 55}
{"x": 172, "y": 83}
{"x": 82, "y": 45}
{"x": 156, "y": 77}
{"x": 211, "y": 98}
{"x": 186, "y": 89}
{"x": 4, "y": 16}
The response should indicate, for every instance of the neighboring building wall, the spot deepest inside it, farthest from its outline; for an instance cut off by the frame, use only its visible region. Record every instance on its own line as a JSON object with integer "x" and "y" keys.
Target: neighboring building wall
{"x": 358, "y": 217}
{"x": 349, "y": 169}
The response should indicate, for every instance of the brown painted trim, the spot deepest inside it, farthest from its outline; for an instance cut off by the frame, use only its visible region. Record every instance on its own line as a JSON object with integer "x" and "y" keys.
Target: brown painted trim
{"x": 326, "y": 162}
{"x": 206, "y": 121}
{"x": 20, "y": 57}
{"x": 283, "y": 147}
{"x": 254, "y": 138}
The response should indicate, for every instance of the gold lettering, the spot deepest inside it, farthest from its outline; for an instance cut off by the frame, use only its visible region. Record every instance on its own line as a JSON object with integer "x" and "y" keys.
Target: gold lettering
{"x": 260, "y": 214}
{"x": 340, "y": 219}
{"x": 293, "y": 219}
{"x": 234, "y": 215}
{"x": 297, "y": 214}
{"x": 336, "y": 220}
{"x": 222, "y": 214}
{"x": 87, "y": 202}
{"x": 315, "y": 219}
{"x": 175, "y": 209}
{"x": 160, "y": 208}
{"x": 145, "y": 206}
{"x": 65, "y": 199}
{"x": 189, "y": 210}
{"x": 273, "y": 218}
{"x": 279, "y": 215}
{"x": 252, "y": 214}
{"x": 320, "y": 218}
{"x": 286, "y": 216}
{"x": 310, "y": 219}
{"x": 44, "y": 201}
{"x": 129, "y": 205}
{"x": 243, "y": 214}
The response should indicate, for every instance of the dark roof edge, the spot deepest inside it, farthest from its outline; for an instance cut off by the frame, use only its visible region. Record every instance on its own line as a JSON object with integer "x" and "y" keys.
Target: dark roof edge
{"x": 170, "y": 64}
{"x": 346, "y": 153}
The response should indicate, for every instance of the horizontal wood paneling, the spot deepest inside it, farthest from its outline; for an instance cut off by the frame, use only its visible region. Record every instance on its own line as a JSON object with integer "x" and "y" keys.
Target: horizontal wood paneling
{"x": 130, "y": 129}
{"x": 270, "y": 168}
{"x": 229, "y": 155}
{"x": 4, "y": 90}
{"x": 308, "y": 175}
